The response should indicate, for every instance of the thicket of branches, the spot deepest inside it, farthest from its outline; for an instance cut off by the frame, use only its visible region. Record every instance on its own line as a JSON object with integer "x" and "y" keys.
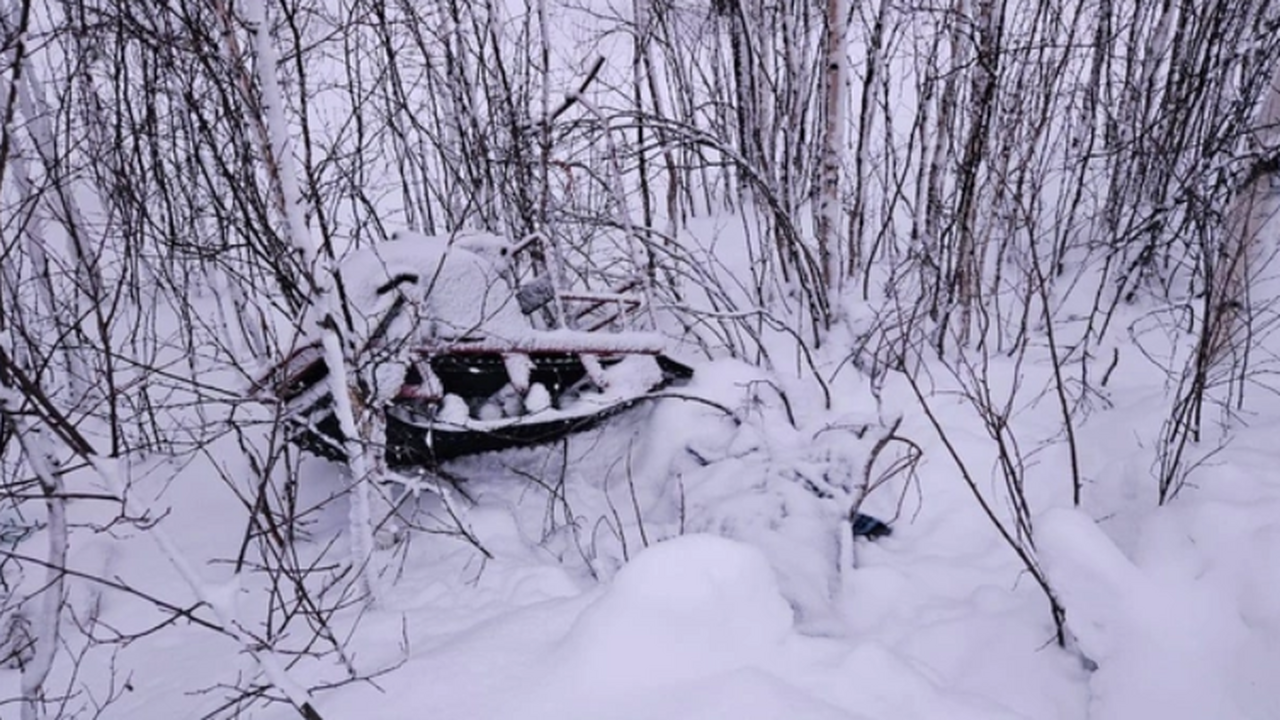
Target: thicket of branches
{"x": 968, "y": 169}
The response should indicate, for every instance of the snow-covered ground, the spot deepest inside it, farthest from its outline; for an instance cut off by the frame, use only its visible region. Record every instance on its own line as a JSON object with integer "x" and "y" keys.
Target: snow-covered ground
{"x": 675, "y": 564}
{"x": 689, "y": 560}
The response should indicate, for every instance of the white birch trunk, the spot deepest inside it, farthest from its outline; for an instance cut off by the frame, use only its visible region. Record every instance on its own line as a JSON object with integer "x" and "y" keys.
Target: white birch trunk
{"x": 46, "y": 619}
{"x": 833, "y": 147}
{"x": 30, "y": 101}
{"x": 1256, "y": 205}
{"x": 347, "y": 406}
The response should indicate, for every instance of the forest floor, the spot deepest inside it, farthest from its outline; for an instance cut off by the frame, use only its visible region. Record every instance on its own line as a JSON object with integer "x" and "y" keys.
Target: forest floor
{"x": 676, "y": 564}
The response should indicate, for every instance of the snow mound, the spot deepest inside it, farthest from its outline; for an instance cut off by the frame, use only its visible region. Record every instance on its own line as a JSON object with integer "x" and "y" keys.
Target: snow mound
{"x": 1167, "y": 644}
{"x": 424, "y": 287}
{"x": 690, "y": 607}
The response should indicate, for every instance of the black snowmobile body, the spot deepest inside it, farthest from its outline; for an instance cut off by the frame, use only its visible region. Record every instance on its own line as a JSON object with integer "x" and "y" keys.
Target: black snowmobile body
{"x": 418, "y": 436}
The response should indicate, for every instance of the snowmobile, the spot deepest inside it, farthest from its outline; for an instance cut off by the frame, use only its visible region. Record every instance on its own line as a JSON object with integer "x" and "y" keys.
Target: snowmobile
{"x": 437, "y": 331}
{"x": 465, "y": 360}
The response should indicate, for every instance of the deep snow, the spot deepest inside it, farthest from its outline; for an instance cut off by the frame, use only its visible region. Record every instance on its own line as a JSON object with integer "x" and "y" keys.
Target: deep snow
{"x": 675, "y": 563}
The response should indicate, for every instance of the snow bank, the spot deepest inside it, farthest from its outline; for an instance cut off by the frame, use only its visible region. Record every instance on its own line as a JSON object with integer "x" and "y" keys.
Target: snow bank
{"x": 692, "y": 627}
{"x": 1169, "y": 642}
{"x": 689, "y": 607}
{"x": 695, "y": 627}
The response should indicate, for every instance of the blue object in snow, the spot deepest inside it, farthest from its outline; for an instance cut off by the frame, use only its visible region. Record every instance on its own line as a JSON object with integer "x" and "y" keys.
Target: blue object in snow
{"x": 869, "y": 527}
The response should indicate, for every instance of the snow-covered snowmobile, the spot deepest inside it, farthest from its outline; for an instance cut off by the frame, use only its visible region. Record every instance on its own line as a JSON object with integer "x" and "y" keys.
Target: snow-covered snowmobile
{"x": 437, "y": 332}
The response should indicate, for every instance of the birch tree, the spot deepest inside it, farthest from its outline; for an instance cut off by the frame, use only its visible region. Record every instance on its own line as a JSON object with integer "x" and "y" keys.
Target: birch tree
{"x": 362, "y": 426}
{"x": 834, "y": 255}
